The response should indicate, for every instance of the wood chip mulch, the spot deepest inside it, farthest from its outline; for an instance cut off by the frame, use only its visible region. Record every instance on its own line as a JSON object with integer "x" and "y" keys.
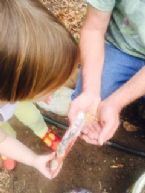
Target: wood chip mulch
{"x": 69, "y": 12}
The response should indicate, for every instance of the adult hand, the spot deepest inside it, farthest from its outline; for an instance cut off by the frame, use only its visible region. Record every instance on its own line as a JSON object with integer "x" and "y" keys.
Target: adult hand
{"x": 107, "y": 123}
{"x": 86, "y": 103}
{"x": 108, "y": 119}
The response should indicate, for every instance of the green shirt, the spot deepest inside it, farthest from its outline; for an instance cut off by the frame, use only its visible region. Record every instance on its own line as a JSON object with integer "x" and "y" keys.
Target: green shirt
{"x": 127, "y": 26}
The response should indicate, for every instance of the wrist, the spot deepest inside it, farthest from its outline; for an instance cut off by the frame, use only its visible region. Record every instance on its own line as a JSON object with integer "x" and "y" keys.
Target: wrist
{"x": 116, "y": 102}
{"x": 92, "y": 90}
{"x": 92, "y": 97}
{"x": 122, "y": 97}
{"x": 91, "y": 94}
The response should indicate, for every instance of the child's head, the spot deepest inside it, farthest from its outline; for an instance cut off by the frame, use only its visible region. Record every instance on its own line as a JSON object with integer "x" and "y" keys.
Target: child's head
{"x": 37, "y": 54}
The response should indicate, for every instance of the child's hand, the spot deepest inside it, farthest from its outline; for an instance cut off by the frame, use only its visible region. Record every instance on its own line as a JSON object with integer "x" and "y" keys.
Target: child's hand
{"x": 56, "y": 170}
{"x": 41, "y": 163}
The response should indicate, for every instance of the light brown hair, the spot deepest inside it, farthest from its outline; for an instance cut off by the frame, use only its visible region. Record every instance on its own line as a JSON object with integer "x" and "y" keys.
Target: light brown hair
{"x": 37, "y": 54}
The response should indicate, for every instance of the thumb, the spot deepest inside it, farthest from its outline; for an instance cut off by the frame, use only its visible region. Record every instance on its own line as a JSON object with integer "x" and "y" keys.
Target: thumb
{"x": 105, "y": 133}
{"x": 50, "y": 156}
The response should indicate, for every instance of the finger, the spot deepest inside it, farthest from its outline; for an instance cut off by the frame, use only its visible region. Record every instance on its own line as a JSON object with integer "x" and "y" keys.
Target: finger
{"x": 88, "y": 140}
{"x": 50, "y": 156}
{"x": 81, "y": 136}
{"x": 46, "y": 173}
{"x": 107, "y": 132}
{"x": 92, "y": 130}
{"x": 88, "y": 128}
{"x": 55, "y": 173}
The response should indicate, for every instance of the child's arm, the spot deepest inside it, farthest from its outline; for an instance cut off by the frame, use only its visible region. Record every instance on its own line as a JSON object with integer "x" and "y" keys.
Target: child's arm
{"x": 14, "y": 149}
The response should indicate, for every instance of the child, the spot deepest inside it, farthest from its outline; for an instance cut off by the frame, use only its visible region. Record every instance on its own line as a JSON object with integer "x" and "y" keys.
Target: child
{"x": 37, "y": 55}
{"x": 113, "y": 56}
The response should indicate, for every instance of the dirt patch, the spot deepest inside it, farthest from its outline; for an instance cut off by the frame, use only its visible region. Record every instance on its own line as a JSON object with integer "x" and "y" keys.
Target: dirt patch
{"x": 69, "y": 12}
{"x": 99, "y": 169}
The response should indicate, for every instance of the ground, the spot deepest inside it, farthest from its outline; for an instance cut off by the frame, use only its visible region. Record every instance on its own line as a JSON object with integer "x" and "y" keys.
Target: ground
{"x": 99, "y": 169}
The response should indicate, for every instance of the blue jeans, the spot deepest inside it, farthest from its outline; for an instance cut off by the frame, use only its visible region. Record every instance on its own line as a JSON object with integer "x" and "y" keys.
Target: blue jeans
{"x": 118, "y": 68}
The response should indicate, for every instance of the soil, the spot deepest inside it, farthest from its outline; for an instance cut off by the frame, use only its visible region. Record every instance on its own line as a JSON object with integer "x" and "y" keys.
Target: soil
{"x": 99, "y": 169}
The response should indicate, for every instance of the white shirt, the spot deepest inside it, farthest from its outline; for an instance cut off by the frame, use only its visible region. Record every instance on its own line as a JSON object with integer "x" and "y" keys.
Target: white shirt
{"x": 7, "y": 111}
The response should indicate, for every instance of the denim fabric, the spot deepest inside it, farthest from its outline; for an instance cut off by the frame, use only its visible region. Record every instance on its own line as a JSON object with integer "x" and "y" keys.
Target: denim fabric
{"x": 118, "y": 68}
